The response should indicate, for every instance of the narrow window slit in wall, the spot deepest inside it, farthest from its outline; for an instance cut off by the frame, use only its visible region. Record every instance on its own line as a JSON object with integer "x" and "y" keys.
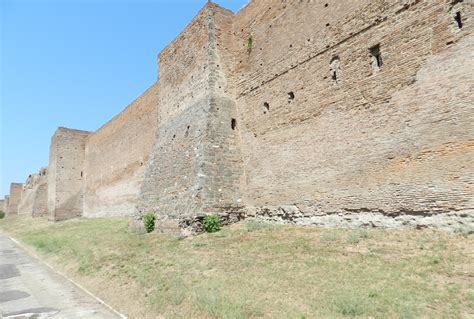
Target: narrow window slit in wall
{"x": 376, "y": 57}
{"x": 458, "y": 19}
{"x": 233, "y": 124}
{"x": 82, "y": 174}
{"x": 335, "y": 69}
{"x": 266, "y": 107}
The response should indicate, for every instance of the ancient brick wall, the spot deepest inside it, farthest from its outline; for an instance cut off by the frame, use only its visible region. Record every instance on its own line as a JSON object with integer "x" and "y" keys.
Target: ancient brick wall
{"x": 327, "y": 127}
{"x": 322, "y": 112}
{"x": 116, "y": 156}
{"x": 34, "y": 198}
{"x": 14, "y": 198}
{"x": 6, "y": 201}
{"x": 66, "y": 174}
{"x": 195, "y": 161}
{"x": 25, "y": 207}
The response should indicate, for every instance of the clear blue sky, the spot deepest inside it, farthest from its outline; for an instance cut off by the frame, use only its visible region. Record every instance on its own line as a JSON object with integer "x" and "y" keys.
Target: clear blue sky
{"x": 76, "y": 63}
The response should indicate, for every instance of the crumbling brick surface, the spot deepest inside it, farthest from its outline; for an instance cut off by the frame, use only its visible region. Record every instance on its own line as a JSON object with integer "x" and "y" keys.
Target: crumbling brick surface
{"x": 311, "y": 112}
{"x": 34, "y": 198}
{"x": 66, "y": 174}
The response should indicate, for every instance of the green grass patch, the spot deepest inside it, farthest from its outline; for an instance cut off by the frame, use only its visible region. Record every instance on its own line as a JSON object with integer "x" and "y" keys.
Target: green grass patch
{"x": 253, "y": 270}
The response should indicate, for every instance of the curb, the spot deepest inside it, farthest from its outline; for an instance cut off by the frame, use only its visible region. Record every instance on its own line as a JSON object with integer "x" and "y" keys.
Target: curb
{"x": 35, "y": 255}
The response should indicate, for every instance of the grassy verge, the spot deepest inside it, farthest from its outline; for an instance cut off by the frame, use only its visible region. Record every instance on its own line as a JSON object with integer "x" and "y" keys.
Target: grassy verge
{"x": 253, "y": 270}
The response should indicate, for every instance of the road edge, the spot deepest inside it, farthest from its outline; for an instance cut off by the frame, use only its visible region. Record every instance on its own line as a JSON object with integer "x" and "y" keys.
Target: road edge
{"x": 37, "y": 257}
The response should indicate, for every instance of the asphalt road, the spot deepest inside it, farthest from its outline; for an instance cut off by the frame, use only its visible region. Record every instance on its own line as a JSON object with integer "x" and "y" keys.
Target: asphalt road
{"x": 30, "y": 289}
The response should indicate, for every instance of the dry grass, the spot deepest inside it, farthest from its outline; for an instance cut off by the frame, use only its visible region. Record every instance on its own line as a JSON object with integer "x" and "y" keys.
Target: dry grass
{"x": 253, "y": 270}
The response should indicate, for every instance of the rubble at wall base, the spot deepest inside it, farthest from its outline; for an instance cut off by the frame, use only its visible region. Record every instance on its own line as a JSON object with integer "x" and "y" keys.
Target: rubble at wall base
{"x": 291, "y": 215}
{"x": 450, "y": 220}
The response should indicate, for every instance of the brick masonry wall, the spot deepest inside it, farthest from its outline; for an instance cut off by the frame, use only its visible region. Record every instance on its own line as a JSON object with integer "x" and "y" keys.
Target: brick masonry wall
{"x": 393, "y": 140}
{"x": 195, "y": 161}
{"x": 34, "y": 198}
{"x": 6, "y": 201}
{"x": 116, "y": 156}
{"x": 25, "y": 207}
{"x": 332, "y": 112}
{"x": 65, "y": 174}
{"x": 14, "y": 199}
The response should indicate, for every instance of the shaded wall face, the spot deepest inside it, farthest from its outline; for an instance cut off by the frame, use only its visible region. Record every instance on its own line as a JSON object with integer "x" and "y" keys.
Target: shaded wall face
{"x": 116, "y": 156}
{"x": 171, "y": 185}
{"x": 34, "y": 195}
{"x": 391, "y": 137}
{"x": 5, "y": 204}
{"x": 14, "y": 199}
{"x": 189, "y": 171}
{"x": 65, "y": 174}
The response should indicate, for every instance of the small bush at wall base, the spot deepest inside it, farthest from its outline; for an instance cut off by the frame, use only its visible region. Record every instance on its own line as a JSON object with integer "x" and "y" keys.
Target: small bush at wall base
{"x": 149, "y": 222}
{"x": 211, "y": 223}
{"x": 2, "y": 214}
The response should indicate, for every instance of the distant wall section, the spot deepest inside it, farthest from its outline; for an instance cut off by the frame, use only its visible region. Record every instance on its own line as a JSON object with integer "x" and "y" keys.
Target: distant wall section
{"x": 6, "y": 201}
{"x": 66, "y": 174}
{"x": 34, "y": 199}
{"x": 116, "y": 156}
{"x": 15, "y": 198}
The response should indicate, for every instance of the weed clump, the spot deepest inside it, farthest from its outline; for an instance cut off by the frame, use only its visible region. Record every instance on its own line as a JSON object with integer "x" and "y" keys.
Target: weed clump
{"x": 211, "y": 223}
{"x": 2, "y": 214}
{"x": 249, "y": 44}
{"x": 149, "y": 222}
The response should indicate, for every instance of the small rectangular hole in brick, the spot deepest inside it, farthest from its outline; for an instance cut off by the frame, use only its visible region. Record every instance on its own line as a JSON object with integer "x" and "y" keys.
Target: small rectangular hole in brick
{"x": 458, "y": 19}
{"x": 376, "y": 57}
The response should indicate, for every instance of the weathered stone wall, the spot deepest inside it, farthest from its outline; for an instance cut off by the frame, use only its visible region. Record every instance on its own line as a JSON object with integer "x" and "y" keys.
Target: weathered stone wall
{"x": 34, "y": 198}
{"x": 2, "y": 205}
{"x": 6, "y": 202}
{"x": 394, "y": 139}
{"x": 14, "y": 198}
{"x": 116, "y": 157}
{"x": 195, "y": 164}
{"x": 66, "y": 174}
{"x": 353, "y": 112}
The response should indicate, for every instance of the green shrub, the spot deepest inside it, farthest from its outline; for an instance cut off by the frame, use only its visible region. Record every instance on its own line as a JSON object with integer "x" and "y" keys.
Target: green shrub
{"x": 2, "y": 214}
{"x": 211, "y": 223}
{"x": 149, "y": 221}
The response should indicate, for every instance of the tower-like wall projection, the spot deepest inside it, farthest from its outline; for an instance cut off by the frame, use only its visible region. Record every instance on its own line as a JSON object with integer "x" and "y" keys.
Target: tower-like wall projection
{"x": 66, "y": 174}
{"x": 14, "y": 198}
{"x": 195, "y": 165}
{"x": 34, "y": 198}
{"x": 6, "y": 202}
